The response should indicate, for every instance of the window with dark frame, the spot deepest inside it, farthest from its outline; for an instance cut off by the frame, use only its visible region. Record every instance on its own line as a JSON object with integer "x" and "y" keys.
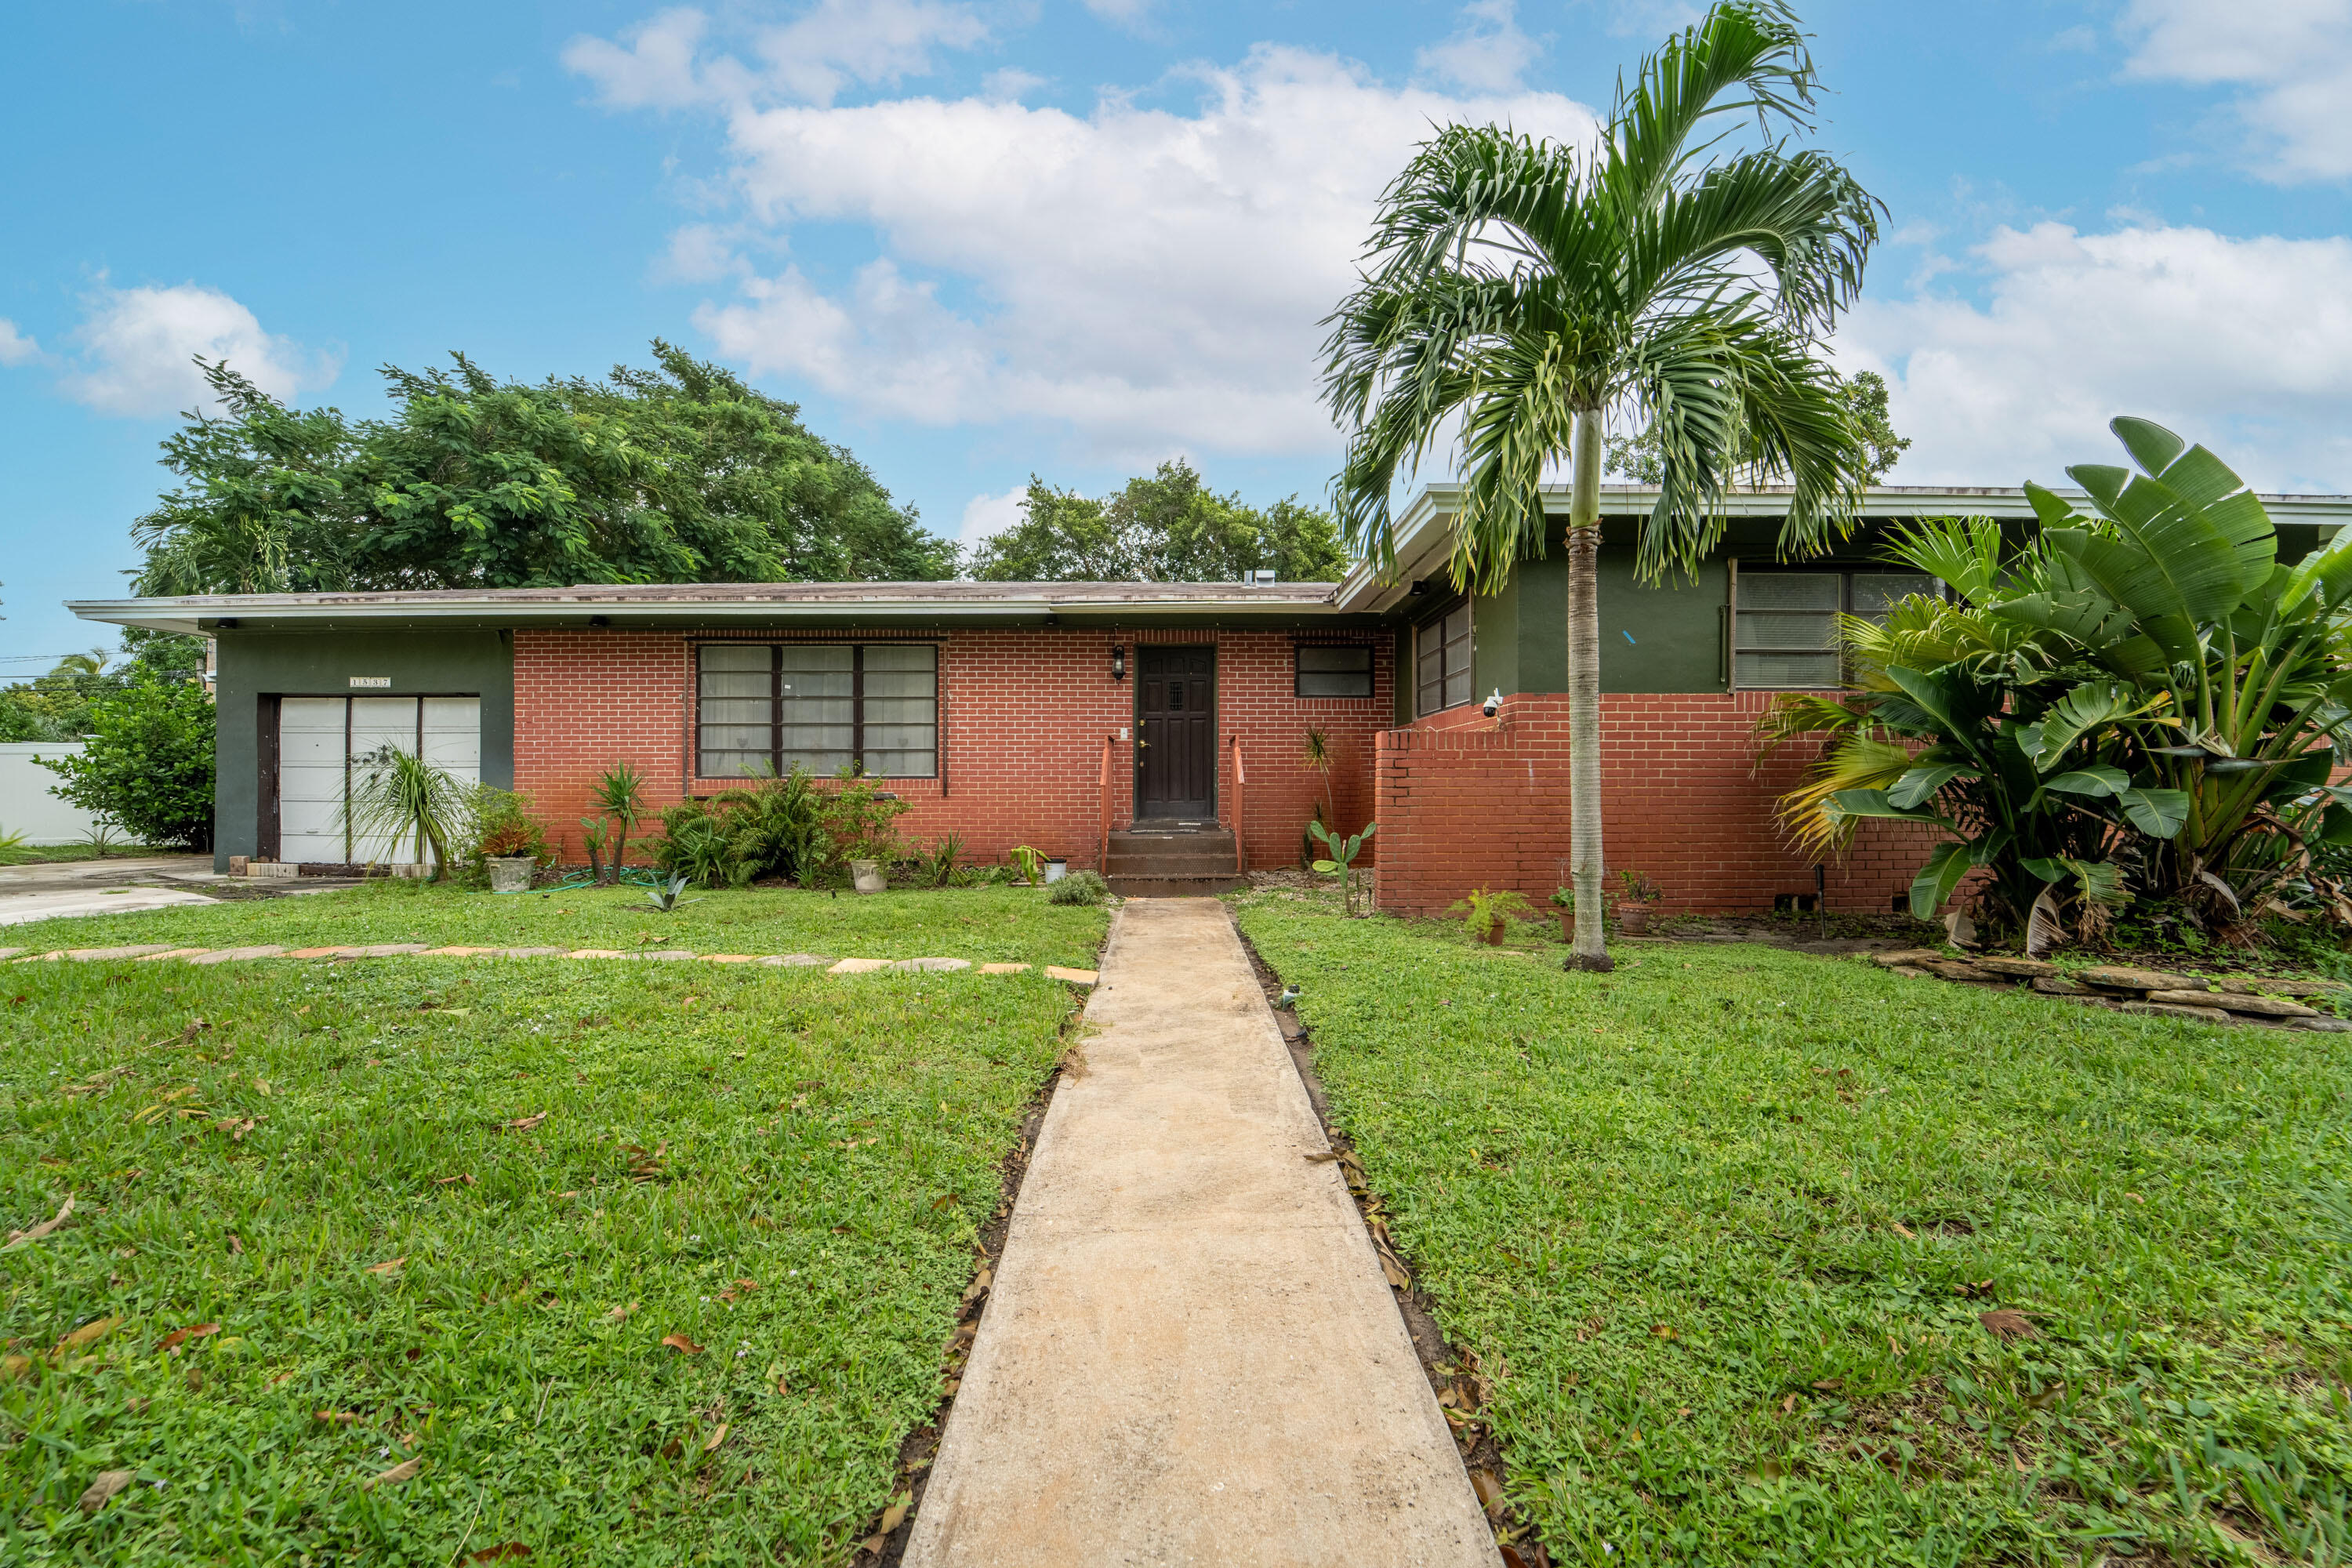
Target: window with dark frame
{"x": 769, "y": 707}
{"x": 1784, "y": 623}
{"x": 1334, "y": 669}
{"x": 1442, "y": 661}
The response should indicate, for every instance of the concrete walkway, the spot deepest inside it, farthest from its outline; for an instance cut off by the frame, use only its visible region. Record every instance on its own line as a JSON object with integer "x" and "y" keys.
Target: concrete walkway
{"x": 1189, "y": 1355}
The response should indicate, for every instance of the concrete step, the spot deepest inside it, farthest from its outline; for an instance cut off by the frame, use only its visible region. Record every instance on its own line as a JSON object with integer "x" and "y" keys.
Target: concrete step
{"x": 1187, "y": 864}
{"x": 1154, "y": 887}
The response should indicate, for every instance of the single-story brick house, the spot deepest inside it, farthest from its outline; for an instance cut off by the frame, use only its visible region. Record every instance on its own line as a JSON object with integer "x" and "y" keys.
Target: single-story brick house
{"x": 1089, "y": 718}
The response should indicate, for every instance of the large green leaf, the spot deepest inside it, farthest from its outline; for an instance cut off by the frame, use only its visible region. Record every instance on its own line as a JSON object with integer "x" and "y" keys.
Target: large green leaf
{"x": 2101, "y": 781}
{"x": 2158, "y": 813}
{"x": 2189, "y": 539}
{"x": 1921, "y": 784}
{"x": 1875, "y": 803}
{"x": 1942, "y": 873}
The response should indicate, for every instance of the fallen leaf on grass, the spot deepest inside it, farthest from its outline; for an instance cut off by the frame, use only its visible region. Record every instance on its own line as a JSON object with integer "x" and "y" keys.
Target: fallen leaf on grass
{"x": 681, "y": 1344}
{"x": 943, "y": 1200}
{"x": 2008, "y": 1324}
{"x": 1489, "y": 1489}
{"x": 617, "y": 1313}
{"x": 523, "y": 1123}
{"x": 645, "y": 1165}
{"x": 444, "y": 1180}
{"x": 386, "y": 1266}
{"x": 504, "y": 1549}
{"x": 339, "y": 1417}
{"x": 19, "y": 1237}
{"x": 178, "y": 1337}
{"x": 1788, "y": 1405}
{"x": 1902, "y": 1230}
{"x": 108, "y": 1483}
{"x": 405, "y": 1470}
{"x": 739, "y": 1288}
{"x": 1828, "y": 1385}
{"x": 716, "y": 1438}
{"x": 88, "y": 1333}
{"x": 783, "y": 1390}
{"x": 236, "y": 1245}
{"x": 1664, "y": 1333}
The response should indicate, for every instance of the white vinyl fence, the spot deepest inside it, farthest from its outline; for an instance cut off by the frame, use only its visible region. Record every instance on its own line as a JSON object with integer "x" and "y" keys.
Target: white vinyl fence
{"x": 26, "y": 807}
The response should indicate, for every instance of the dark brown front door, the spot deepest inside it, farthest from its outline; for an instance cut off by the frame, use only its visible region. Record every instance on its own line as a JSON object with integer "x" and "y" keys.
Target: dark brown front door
{"x": 1176, "y": 733}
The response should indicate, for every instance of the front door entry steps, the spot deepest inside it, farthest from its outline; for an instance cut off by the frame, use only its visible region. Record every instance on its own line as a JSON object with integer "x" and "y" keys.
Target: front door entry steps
{"x": 1170, "y": 859}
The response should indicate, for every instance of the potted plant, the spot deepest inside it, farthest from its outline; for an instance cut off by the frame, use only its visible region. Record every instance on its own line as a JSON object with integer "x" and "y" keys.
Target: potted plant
{"x": 1635, "y": 894}
{"x": 1487, "y": 912}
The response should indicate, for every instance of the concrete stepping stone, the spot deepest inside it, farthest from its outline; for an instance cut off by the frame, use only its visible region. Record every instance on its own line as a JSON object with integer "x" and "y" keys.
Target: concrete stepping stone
{"x": 859, "y": 966}
{"x": 933, "y": 965}
{"x": 7, "y": 952}
{"x": 1075, "y": 976}
{"x": 730, "y": 957}
{"x": 1004, "y": 969}
{"x": 796, "y": 961}
{"x": 459, "y": 951}
{"x": 187, "y": 953}
{"x": 656, "y": 955}
{"x": 1189, "y": 1353}
{"x": 387, "y": 950}
{"x": 527, "y": 952}
{"x": 237, "y": 955}
{"x": 597, "y": 953}
{"x": 97, "y": 954}
{"x": 320, "y": 951}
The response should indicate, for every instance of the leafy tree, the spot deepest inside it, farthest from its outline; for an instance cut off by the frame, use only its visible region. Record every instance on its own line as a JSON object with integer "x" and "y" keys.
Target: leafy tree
{"x": 679, "y": 473}
{"x": 1517, "y": 290}
{"x": 1168, "y": 528}
{"x": 57, "y": 706}
{"x": 1638, "y": 456}
{"x": 147, "y": 765}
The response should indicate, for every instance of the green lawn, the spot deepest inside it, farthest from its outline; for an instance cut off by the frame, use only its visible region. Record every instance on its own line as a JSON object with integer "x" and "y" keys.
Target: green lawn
{"x": 1723, "y": 1224}
{"x": 573, "y": 1160}
{"x": 984, "y": 924}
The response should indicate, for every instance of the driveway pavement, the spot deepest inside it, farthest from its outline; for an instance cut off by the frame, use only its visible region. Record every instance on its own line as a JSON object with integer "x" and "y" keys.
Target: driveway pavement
{"x": 103, "y": 887}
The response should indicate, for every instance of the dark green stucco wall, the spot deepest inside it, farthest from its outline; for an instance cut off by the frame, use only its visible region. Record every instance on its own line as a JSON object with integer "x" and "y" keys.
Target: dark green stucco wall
{"x": 254, "y": 664}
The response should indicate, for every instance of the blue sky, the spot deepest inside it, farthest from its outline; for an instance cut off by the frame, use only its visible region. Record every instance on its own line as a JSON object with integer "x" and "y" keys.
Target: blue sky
{"x": 976, "y": 240}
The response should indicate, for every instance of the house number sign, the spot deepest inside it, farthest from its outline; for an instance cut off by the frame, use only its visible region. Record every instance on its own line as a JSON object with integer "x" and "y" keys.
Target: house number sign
{"x": 371, "y": 680}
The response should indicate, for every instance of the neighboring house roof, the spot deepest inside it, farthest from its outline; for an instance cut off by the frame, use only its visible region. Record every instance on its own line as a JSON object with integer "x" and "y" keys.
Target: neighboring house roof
{"x": 1367, "y": 590}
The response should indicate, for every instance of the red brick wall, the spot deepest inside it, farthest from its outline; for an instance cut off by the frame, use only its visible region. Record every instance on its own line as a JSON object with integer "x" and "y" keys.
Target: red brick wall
{"x": 1023, "y": 715}
{"x": 1464, "y": 801}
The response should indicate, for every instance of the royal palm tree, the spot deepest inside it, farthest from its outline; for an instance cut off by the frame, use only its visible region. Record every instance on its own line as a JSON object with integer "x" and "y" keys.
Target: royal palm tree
{"x": 1518, "y": 291}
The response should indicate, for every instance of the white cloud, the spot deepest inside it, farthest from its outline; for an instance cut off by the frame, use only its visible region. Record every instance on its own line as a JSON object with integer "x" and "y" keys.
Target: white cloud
{"x": 1011, "y": 82}
{"x": 984, "y": 516}
{"x": 1149, "y": 278}
{"x": 138, "y": 346}
{"x": 16, "y": 348}
{"x": 1488, "y": 54}
{"x": 1125, "y": 13}
{"x": 2292, "y": 59}
{"x": 2243, "y": 344}
{"x": 809, "y": 59}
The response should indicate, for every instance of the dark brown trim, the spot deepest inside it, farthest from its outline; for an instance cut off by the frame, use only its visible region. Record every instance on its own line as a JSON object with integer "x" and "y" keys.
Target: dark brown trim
{"x": 269, "y": 751}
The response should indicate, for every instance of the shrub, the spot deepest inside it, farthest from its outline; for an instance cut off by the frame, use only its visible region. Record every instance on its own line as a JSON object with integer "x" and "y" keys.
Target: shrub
{"x": 1078, "y": 887}
{"x": 1486, "y": 913}
{"x": 147, "y": 766}
{"x": 498, "y": 824}
{"x": 783, "y": 827}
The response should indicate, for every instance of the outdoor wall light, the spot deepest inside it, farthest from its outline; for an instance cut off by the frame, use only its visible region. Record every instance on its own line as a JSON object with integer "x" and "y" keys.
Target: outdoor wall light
{"x": 1118, "y": 662}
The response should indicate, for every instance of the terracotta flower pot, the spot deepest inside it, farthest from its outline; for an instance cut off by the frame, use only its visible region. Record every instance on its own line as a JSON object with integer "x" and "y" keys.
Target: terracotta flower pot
{"x": 1632, "y": 918}
{"x": 1494, "y": 934}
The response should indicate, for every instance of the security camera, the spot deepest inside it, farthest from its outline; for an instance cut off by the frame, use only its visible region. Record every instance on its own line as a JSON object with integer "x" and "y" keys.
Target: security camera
{"x": 1494, "y": 703}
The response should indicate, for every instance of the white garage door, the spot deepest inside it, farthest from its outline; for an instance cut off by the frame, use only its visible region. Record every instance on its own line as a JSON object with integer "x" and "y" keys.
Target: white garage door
{"x": 323, "y": 740}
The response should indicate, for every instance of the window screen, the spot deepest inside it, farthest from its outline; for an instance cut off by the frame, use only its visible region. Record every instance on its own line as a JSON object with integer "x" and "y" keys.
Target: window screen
{"x": 1334, "y": 672}
{"x": 870, "y": 707}
{"x": 1441, "y": 662}
{"x": 1784, "y": 631}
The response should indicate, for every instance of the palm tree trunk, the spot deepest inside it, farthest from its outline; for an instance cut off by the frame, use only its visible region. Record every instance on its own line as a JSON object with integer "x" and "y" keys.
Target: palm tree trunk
{"x": 1590, "y": 950}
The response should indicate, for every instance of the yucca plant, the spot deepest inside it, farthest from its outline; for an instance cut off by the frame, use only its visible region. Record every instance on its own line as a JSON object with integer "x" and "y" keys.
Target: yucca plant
{"x": 397, "y": 795}
{"x": 619, "y": 795}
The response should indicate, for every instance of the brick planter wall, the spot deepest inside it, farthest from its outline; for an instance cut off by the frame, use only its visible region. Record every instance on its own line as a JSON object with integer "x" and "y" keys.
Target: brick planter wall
{"x": 1022, "y": 719}
{"x": 1464, "y": 801}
